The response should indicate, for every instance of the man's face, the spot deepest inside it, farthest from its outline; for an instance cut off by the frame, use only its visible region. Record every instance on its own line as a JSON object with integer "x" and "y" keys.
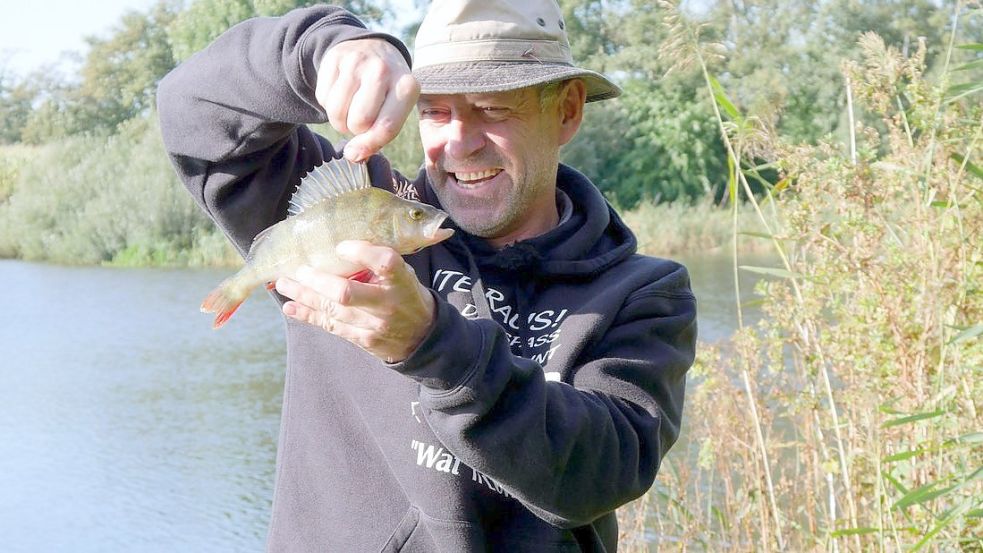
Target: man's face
{"x": 491, "y": 159}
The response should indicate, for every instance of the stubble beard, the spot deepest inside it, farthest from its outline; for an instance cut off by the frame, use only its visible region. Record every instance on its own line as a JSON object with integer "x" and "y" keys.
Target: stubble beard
{"x": 495, "y": 217}
{"x": 476, "y": 216}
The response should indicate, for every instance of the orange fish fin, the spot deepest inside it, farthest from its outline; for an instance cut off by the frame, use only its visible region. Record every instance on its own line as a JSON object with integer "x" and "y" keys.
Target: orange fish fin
{"x": 364, "y": 275}
{"x": 222, "y": 305}
{"x": 224, "y": 316}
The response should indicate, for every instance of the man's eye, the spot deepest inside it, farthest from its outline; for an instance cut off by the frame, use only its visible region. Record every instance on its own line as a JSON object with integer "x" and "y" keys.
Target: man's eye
{"x": 494, "y": 112}
{"x": 431, "y": 113}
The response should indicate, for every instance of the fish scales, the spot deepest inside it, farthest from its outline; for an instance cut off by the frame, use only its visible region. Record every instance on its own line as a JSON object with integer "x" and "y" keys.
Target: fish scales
{"x": 333, "y": 203}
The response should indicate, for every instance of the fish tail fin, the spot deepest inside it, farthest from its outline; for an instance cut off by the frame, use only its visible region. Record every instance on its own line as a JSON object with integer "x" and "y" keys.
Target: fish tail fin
{"x": 223, "y": 301}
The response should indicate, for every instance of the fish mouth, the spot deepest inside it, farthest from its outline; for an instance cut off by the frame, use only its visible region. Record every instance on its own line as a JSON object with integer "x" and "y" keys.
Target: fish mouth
{"x": 434, "y": 233}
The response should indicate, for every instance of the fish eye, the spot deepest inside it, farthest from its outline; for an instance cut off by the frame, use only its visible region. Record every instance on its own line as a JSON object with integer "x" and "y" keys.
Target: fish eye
{"x": 416, "y": 214}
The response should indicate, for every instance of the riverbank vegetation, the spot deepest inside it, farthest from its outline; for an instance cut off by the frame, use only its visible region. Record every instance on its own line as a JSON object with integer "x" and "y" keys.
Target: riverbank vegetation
{"x": 848, "y": 418}
{"x": 841, "y": 137}
{"x": 654, "y": 151}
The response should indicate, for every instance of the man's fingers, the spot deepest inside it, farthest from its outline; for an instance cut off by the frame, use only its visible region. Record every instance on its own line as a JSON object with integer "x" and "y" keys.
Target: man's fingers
{"x": 326, "y": 75}
{"x": 332, "y": 306}
{"x": 388, "y": 119}
{"x": 312, "y": 287}
{"x": 338, "y": 100}
{"x": 366, "y": 88}
{"x": 368, "y": 100}
{"x": 384, "y": 262}
{"x": 365, "y": 332}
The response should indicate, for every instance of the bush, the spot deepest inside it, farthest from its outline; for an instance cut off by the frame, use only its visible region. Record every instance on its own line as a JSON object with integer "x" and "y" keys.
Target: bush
{"x": 98, "y": 199}
{"x": 657, "y": 142}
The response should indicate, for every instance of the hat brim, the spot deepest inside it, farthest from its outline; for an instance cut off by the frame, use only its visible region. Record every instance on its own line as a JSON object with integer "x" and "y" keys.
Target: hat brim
{"x": 490, "y": 76}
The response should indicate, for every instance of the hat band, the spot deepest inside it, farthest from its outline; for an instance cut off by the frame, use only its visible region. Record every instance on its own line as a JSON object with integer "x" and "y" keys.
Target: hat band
{"x": 547, "y": 51}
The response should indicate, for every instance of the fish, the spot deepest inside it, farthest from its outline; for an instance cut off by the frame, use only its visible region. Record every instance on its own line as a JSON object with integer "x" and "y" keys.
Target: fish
{"x": 334, "y": 202}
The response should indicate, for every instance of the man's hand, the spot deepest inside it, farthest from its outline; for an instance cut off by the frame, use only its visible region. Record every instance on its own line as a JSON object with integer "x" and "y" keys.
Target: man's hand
{"x": 367, "y": 89}
{"x": 388, "y": 316}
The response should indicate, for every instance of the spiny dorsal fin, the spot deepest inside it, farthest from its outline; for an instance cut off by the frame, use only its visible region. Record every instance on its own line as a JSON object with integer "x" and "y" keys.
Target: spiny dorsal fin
{"x": 330, "y": 180}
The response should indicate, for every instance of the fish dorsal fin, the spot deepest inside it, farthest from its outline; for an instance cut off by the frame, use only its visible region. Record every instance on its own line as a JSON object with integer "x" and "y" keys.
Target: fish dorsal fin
{"x": 329, "y": 180}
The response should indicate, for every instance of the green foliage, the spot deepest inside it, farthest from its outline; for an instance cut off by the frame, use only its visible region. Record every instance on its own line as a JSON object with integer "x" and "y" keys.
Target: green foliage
{"x": 592, "y": 28}
{"x": 16, "y": 98}
{"x": 850, "y": 419}
{"x": 780, "y": 61}
{"x": 117, "y": 82}
{"x": 95, "y": 199}
{"x": 204, "y": 20}
{"x": 682, "y": 227}
{"x": 120, "y": 74}
{"x": 657, "y": 141}
{"x": 52, "y": 119}
{"x": 12, "y": 158}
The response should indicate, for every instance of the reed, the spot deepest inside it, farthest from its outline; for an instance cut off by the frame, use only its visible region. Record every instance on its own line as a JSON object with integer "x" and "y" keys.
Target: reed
{"x": 682, "y": 227}
{"x": 848, "y": 418}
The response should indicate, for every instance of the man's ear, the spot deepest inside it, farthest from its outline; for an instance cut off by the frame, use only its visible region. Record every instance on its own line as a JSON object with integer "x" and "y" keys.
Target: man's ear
{"x": 571, "y": 101}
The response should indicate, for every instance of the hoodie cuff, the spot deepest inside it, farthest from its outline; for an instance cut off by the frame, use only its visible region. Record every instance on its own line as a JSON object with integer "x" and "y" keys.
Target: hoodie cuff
{"x": 447, "y": 354}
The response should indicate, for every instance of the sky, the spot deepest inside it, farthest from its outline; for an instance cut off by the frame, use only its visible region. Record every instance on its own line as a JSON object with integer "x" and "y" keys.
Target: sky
{"x": 36, "y": 33}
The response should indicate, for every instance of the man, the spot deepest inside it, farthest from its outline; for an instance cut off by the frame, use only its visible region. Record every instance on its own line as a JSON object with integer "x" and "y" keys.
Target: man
{"x": 504, "y": 390}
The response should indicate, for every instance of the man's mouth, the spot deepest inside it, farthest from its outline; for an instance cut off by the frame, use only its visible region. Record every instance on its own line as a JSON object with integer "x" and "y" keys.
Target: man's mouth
{"x": 473, "y": 179}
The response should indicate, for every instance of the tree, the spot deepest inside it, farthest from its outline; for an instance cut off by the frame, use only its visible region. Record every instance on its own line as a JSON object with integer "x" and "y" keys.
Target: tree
{"x": 16, "y": 97}
{"x": 120, "y": 74}
{"x": 656, "y": 142}
{"x": 204, "y": 20}
{"x": 53, "y": 112}
{"x": 117, "y": 80}
{"x": 592, "y": 27}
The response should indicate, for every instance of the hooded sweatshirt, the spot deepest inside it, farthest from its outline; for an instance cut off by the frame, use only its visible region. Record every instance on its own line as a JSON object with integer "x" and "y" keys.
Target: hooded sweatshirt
{"x": 544, "y": 396}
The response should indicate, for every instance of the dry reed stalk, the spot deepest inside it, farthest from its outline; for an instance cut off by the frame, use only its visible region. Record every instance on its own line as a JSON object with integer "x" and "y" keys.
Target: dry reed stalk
{"x": 878, "y": 314}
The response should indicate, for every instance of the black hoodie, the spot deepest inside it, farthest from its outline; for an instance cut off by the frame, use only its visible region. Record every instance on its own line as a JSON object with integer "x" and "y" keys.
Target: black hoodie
{"x": 544, "y": 397}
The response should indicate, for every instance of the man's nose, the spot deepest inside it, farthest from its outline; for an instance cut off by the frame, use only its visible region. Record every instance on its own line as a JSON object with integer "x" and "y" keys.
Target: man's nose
{"x": 463, "y": 139}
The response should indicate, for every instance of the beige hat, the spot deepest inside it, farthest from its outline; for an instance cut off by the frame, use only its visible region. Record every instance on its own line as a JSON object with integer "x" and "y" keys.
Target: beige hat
{"x": 466, "y": 46}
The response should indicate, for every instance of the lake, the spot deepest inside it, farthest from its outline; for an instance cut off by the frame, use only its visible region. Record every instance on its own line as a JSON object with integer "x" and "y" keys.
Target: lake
{"x": 128, "y": 424}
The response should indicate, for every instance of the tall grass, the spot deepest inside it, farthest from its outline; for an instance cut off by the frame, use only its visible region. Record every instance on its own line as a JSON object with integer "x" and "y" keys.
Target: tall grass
{"x": 682, "y": 227}
{"x": 849, "y": 417}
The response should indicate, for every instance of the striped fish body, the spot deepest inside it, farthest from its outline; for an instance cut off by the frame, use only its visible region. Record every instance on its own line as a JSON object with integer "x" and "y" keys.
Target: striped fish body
{"x": 333, "y": 203}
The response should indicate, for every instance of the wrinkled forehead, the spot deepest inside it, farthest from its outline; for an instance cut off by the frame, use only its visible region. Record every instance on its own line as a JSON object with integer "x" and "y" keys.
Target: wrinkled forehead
{"x": 507, "y": 97}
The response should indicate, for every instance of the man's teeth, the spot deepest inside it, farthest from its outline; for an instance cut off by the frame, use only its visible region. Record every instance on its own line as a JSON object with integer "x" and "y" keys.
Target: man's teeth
{"x": 471, "y": 177}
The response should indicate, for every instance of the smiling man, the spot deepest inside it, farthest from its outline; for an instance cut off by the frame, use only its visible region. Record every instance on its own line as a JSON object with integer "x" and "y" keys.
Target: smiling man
{"x": 486, "y": 160}
{"x": 504, "y": 390}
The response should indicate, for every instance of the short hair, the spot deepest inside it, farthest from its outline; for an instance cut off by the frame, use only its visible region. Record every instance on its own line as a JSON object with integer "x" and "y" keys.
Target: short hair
{"x": 548, "y": 93}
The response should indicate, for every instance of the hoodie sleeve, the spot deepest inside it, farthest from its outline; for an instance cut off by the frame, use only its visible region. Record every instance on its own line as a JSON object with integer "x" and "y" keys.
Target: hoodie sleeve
{"x": 232, "y": 116}
{"x": 570, "y": 453}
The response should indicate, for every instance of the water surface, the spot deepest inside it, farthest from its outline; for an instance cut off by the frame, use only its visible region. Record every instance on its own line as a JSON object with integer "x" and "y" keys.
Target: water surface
{"x": 127, "y": 424}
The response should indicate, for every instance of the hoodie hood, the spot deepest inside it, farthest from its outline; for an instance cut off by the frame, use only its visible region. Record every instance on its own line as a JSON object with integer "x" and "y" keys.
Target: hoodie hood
{"x": 589, "y": 239}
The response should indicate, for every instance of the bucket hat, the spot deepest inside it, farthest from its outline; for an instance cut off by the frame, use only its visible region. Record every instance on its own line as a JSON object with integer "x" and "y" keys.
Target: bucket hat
{"x": 473, "y": 46}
